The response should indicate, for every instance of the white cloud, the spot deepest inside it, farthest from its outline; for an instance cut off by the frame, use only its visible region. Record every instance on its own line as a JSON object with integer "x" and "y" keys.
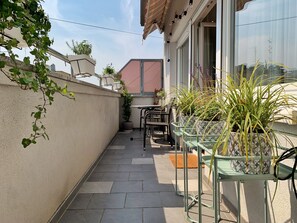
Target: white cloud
{"x": 128, "y": 11}
{"x": 51, "y": 8}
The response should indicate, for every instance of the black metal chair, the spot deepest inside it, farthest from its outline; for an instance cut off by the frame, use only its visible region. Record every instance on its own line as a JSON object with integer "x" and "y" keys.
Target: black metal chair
{"x": 163, "y": 121}
{"x": 143, "y": 112}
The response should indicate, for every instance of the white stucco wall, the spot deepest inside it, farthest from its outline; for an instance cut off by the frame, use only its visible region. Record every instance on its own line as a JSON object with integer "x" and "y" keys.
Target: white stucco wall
{"x": 36, "y": 180}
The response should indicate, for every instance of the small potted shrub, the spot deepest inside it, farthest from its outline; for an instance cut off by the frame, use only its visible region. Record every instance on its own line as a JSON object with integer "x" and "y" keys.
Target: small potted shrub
{"x": 127, "y": 124}
{"x": 109, "y": 70}
{"x": 109, "y": 75}
{"x": 81, "y": 63}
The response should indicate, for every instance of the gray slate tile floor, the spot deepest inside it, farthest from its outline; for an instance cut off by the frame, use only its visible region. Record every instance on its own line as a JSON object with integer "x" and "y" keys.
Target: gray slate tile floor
{"x": 136, "y": 187}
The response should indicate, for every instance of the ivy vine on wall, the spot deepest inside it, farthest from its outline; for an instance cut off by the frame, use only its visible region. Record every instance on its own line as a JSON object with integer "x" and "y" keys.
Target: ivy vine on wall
{"x": 29, "y": 17}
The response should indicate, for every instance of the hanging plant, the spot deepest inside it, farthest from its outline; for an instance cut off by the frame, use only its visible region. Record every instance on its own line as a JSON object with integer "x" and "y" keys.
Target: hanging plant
{"x": 28, "y": 17}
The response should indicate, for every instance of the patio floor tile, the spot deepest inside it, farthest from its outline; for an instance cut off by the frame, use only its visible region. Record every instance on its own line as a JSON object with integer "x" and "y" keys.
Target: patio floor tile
{"x": 142, "y": 161}
{"x": 81, "y": 201}
{"x": 149, "y": 175}
{"x": 137, "y": 200}
{"x": 106, "y": 168}
{"x": 127, "y": 186}
{"x": 101, "y": 201}
{"x": 122, "y": 216}
{"x": 164, "y": 215}
{"x": 96, "y": 187}
{"x": 116, "y": 147}
{"x": 79, "y": 216}
{"x": 169, "y": 199}
{"x": 155, "y": 186}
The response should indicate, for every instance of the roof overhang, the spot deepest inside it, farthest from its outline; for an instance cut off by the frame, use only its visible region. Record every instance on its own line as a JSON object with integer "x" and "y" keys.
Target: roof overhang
{"x": 152, "y": 15}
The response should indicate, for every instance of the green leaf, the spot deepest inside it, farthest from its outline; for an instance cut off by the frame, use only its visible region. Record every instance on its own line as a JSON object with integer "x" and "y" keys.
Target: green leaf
{"x": 26, "y": 142}
{"x": 2, "y": 64}
{"x": 35, "y": 128}
{"x": 26, "y": 60}
{"x": 24, "y": 81}
{"x": 37, "y": 115}
{"x": 64, "y": 91}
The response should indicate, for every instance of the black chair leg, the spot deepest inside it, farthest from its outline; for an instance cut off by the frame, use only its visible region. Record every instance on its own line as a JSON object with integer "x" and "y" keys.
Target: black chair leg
{"x": 144, "y": 136}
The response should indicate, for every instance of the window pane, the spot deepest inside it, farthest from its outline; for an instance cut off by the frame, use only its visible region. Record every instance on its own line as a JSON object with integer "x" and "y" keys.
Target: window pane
{"x": 184, "y": 64}
{"x": 265, "y": 31}
{"x": 131, "y": 76}
{"x": 152, "y": 74}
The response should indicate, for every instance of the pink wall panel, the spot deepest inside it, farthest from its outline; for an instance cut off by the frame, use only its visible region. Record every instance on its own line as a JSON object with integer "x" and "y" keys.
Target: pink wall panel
{"x": 131, "y": 76}
{"x": 152, "y": 76}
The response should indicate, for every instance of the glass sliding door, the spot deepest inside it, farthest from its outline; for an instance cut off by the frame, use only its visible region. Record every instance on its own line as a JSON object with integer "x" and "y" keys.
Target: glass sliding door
{"x": 265, "y": 33}
{"x": 206, "y": 44}
{"x": 207, "y": 58}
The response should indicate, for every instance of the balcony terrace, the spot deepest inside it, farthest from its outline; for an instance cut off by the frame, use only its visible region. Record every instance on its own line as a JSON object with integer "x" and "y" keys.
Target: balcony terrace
{"x": 105, "y": 174}
{"x": 128, "y": 185}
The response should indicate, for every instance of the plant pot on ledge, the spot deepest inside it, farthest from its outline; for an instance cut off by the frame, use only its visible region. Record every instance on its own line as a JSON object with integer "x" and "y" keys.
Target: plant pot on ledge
{"x": 82, "y": 65}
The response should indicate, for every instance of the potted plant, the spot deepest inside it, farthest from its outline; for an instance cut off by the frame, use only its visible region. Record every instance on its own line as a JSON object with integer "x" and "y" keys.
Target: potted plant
{"x": 250, "y": 108}
{"x": 81, "y": 63}
{"x": 127, "y": 124}
{"x": 109, "y": 70}
{"x": 109, "y": 75}
{"x": 209, "y": 121}
{"x": 186, "y": 99}
{"x": 161, "y": 95}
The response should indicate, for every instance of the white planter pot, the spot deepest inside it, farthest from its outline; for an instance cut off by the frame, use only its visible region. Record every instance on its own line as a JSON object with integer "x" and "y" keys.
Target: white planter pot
{"x": 259, "y": 147}
{"x": 106, "y": 80}
{"x": 82, "y": 65}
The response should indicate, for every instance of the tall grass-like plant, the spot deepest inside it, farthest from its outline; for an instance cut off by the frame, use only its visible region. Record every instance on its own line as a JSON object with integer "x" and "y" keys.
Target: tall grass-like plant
{"x": 185, "y": 103}
{"x": 186, "y": 99}
{"x": 249, "y": 108}
{"x": 207, "y": 107}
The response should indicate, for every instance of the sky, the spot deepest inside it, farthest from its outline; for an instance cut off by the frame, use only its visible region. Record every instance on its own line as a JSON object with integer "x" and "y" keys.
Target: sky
{"x": 108, "y": 46}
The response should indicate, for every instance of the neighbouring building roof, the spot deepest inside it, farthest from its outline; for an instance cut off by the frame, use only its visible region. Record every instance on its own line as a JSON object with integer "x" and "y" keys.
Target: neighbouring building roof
{"x": 152, "y": 16}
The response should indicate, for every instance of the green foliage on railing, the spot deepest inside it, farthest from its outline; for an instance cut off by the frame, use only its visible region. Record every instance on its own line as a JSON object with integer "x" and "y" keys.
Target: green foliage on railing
{"x": 28, "y": 17}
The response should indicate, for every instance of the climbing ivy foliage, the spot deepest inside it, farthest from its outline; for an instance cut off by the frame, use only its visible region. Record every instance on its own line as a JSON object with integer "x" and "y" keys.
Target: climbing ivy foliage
{"x": 29, "y": 17}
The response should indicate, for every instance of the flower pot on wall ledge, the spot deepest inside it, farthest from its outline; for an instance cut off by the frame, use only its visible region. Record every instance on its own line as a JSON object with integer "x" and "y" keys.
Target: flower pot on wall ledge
{"x": 82, "y": 65}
